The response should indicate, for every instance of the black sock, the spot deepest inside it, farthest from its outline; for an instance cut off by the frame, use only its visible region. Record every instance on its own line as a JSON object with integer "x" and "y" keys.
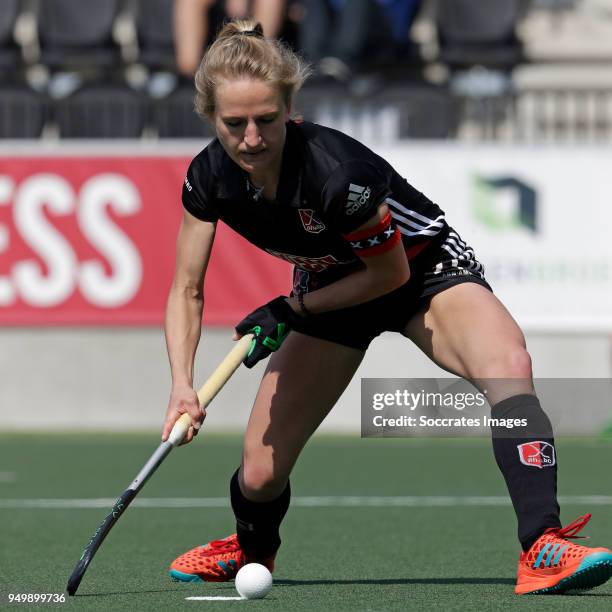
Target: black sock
{"x": 258, "y": 523}
{"x": 526, "y": 456}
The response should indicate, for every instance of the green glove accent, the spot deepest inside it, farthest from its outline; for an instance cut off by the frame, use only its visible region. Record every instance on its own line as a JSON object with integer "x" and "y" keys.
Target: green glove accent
{"x": 274, "y": 343}
{"x": 255, "y": 331}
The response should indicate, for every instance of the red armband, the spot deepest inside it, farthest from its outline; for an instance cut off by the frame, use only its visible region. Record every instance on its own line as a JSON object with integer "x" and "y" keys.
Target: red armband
{"x": 374, "y": 240}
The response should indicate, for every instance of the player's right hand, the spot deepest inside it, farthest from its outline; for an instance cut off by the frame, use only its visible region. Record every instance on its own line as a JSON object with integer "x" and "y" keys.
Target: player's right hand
{"x": 270, "y": 325}
{"x": 183, "y": 399}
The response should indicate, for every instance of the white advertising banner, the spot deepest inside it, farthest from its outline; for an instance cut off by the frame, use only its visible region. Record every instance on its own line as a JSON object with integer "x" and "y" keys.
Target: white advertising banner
{"x": 538, "y": 218}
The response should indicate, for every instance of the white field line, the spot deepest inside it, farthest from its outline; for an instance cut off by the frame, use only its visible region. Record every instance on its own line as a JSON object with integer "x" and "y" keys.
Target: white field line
{"x": 415, "y": 501}
{"x": 212, "y": 598}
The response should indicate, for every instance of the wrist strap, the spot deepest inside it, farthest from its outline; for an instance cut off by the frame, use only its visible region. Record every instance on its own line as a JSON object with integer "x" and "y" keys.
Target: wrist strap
{"x": 303, "y": 308}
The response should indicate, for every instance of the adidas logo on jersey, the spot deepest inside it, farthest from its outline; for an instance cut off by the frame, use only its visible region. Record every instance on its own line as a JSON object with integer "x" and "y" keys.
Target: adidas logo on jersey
{"x": 358, "y": 196}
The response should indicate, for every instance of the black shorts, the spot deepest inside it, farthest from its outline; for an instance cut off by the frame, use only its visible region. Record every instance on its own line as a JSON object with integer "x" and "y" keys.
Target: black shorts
{"x": 436, "y": 269}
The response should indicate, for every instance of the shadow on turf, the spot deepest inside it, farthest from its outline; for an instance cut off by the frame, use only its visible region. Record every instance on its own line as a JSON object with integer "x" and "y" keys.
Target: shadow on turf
{"x": 401, "y": 581}
{"x": 330, "y": 582}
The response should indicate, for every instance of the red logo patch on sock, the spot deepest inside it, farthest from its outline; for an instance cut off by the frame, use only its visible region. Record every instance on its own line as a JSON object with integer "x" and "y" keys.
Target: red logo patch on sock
{"x": 537, "y": 454}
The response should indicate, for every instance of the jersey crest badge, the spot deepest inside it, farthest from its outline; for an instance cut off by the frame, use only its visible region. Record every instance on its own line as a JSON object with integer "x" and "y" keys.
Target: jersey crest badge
{"x": 537, "y": 454}
{"x": 310, "y": 223}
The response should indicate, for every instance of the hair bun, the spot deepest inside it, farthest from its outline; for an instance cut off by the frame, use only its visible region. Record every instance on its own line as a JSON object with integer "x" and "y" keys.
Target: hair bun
{"x": 256, "y": 30}
{"x": 254, "y": 33}
{"x": 241, "y": 27}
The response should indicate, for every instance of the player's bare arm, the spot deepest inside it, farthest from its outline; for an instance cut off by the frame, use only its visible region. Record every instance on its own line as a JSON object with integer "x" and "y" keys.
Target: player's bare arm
{"x": 184, "y": 319}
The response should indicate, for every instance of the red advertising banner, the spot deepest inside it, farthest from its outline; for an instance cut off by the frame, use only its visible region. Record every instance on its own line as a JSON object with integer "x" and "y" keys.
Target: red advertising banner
{"x": 90, "y": 240}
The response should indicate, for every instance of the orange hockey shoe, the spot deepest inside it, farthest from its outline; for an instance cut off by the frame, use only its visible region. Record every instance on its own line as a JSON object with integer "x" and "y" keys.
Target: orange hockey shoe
{"x": 217, "y": 561}
{"x": 554, "y": 565}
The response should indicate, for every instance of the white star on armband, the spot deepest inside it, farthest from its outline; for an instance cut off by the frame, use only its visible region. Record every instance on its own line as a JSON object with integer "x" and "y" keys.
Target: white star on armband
{"x": 389, "y": 232}
{"x": 356, "y": 245}
{"x": 373, "y": 241}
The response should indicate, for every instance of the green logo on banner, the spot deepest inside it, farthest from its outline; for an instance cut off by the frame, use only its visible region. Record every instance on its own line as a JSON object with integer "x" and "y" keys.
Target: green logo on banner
{"x": 487, "y": 209}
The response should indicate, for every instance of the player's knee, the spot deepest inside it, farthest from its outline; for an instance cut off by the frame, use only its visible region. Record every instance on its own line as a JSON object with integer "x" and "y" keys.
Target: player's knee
{"x": 260, "y": 481}
{"x": 513, "y": 362}
{"x": 517, "y": 363}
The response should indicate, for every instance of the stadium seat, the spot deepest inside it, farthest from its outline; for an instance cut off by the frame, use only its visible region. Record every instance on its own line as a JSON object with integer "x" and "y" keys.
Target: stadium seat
{"x": 9, "y": 51}
{"x": 174, "y": 116}
{"x": 101, "y": 110}
{"x": 78, "y": 35}
{"x": 22, "y": 112}
{"x": 472, "y": 32}
{"x": 155, "y": 34}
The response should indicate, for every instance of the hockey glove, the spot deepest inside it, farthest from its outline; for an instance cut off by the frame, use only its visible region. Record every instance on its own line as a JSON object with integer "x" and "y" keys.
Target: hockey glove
{"x": 271, "y": 324}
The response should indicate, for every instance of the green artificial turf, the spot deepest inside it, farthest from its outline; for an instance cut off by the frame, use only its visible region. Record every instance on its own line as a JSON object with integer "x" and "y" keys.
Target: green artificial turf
{"x": 332, "y": 558}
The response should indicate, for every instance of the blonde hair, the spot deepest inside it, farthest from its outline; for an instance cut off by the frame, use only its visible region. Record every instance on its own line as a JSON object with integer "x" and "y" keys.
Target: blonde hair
{"x": 240, "y": 50}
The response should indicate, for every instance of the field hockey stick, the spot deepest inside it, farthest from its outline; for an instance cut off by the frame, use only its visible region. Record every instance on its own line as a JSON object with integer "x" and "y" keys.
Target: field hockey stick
{"x": 205, "y": 395}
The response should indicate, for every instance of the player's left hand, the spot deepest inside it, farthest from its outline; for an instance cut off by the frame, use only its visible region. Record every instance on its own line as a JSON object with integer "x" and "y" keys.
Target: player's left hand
{"x": 270, "y": 324}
